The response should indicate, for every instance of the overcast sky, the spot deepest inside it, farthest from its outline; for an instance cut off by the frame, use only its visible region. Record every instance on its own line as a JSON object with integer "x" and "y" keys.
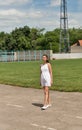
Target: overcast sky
{"x": 37, "y": 13}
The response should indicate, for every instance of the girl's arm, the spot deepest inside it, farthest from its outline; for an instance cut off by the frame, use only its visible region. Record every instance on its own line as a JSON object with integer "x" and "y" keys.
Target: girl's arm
{"x": 50, "y": 70}
{"x": 40, "y": 74}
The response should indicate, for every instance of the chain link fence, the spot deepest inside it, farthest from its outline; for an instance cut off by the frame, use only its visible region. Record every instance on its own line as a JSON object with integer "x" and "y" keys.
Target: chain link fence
{"x": 6, "y": 56}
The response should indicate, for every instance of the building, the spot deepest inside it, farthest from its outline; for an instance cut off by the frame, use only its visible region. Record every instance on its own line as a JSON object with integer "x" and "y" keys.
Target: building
{"x": 77, "y": 47}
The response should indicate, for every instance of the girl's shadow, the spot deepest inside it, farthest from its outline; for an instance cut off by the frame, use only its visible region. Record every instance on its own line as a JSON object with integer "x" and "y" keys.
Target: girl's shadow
{"x": 37, "y": 104}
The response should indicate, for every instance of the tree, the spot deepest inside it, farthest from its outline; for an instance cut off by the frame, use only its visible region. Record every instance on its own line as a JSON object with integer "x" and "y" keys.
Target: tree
{"x": 26, "y": 38}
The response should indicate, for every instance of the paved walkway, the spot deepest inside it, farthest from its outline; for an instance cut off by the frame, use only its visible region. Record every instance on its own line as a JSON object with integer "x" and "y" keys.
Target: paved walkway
{"x": 20, "y": 110}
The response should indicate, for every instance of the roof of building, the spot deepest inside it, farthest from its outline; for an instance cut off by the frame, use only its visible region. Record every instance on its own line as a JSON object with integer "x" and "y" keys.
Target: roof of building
{"x": 76, "y": 44}
{"x": 80, "y": 42}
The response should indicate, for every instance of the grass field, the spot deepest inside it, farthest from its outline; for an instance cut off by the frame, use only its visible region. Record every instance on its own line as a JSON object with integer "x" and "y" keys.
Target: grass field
{"x": 67, "y": 74}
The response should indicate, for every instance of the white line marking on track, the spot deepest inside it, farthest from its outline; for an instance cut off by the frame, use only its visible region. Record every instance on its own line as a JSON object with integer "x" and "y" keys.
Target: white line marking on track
{"x": 71, "y": 116}
{"x": 79, "y": 117}
{"x": 14, "y": 105}
{"x": 51, "y": 129}
{"x": 43, "y": 127}
{"x": 36, "y": 125}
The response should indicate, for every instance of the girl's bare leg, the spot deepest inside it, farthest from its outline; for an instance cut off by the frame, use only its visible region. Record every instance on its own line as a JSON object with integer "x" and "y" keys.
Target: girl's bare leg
{"x": 46, "y": 95}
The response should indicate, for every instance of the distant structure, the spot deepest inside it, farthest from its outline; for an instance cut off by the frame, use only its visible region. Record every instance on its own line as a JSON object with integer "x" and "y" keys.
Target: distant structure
{"x": 64, "y": 34}
{"x": 77, "y": 47}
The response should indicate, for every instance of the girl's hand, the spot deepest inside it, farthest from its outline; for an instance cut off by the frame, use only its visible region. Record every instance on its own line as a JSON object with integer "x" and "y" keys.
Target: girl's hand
{"x": 51, "y": 82}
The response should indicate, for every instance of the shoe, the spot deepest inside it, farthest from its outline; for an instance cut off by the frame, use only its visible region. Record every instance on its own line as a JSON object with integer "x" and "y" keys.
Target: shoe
{"x": 49, "y": 105}
{"x": 44, "y": 107}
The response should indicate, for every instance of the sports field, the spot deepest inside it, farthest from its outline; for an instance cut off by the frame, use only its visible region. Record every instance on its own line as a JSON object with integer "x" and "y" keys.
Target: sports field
{"x": 67, "y": 74}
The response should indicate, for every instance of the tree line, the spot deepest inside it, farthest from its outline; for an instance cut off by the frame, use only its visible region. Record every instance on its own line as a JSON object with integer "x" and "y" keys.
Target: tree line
{"x": 26, "y": 38}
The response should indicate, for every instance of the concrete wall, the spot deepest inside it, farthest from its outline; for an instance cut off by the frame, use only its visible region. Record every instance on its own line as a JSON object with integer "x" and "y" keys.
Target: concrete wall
{"x": 76, "y": 49}
{"x": 67, "y": 56}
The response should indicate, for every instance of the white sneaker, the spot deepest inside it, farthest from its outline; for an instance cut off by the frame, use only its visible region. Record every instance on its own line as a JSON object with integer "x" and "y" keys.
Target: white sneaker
{"x": 44, "y": 107}
{"x": 49, "y": 105}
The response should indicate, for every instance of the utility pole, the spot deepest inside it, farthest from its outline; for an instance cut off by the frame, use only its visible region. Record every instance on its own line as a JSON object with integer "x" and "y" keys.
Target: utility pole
{"x": 64, "y": 34}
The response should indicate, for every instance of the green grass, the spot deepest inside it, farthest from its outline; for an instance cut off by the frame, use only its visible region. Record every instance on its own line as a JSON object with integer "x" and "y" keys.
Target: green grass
{"x": 67, "y": 74}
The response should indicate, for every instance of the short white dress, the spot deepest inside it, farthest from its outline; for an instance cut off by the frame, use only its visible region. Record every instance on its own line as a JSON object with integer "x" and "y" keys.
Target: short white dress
{"x": 45, "y": 76}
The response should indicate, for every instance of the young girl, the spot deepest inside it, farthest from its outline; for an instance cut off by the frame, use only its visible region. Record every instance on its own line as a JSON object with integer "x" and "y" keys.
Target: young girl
{"x": 46, "y": 80}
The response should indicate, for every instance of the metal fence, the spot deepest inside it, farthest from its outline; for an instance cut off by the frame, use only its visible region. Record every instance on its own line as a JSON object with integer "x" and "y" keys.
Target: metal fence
{"x": 6, "y": 56}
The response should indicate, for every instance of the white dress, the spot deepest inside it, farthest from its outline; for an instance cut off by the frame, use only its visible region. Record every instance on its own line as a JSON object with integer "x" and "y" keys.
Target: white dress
{"x": 45, "y": 76}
